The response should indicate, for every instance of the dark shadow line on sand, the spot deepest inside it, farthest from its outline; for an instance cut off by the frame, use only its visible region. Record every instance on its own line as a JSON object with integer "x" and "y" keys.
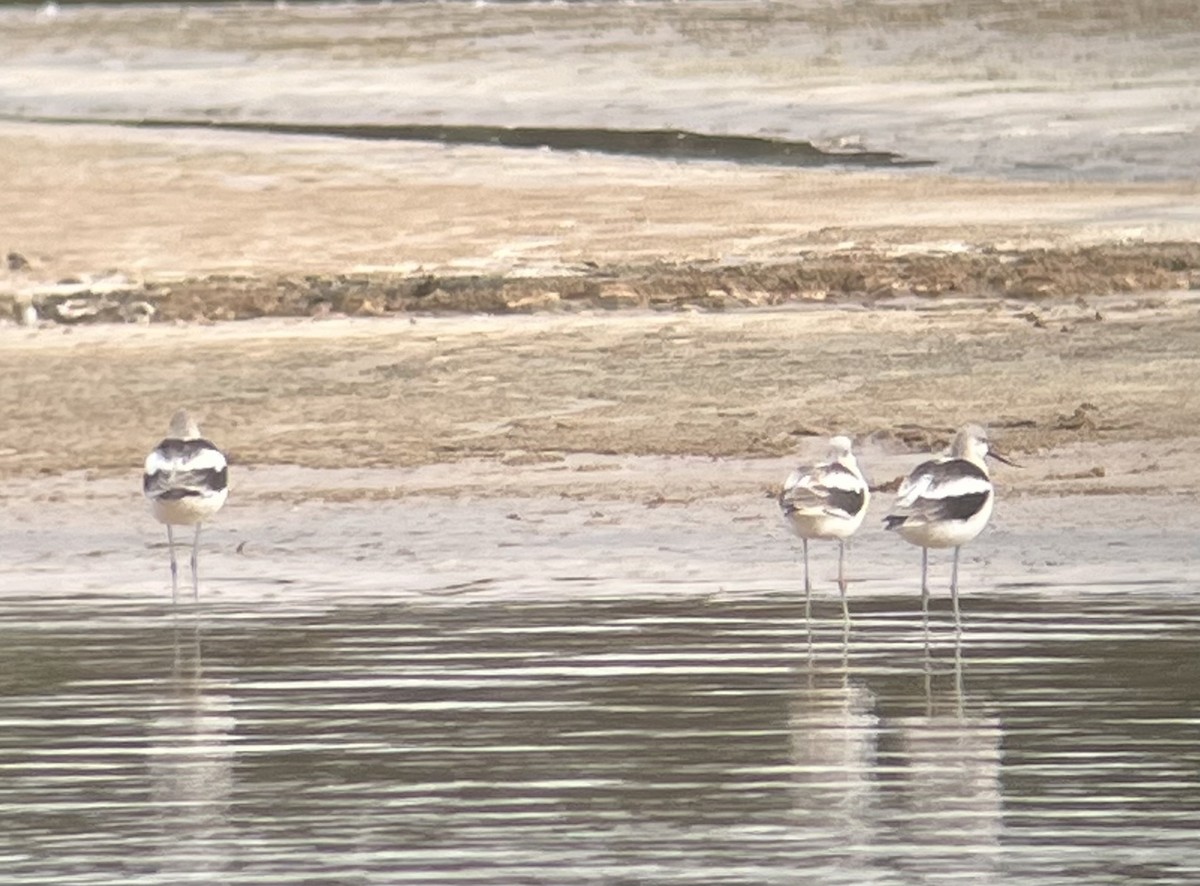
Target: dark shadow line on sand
{"x": 671, "y": 144}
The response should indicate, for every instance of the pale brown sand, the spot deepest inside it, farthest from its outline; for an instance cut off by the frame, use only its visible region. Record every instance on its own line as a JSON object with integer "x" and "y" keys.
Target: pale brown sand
{"x": 1096, "y": 394}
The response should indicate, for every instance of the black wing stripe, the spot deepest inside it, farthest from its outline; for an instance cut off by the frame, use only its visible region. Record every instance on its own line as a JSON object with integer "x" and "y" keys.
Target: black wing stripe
{"x": 181, "y": 484}
{"x": 960, "y": 507}
{"x": 844, "y": 500}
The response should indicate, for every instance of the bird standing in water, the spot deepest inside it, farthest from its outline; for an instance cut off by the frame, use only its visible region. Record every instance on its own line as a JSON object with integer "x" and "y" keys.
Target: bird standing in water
{"x": 186, "y": 480}
{"x": 826, "y": 501}
{"x": 946, "y": 502}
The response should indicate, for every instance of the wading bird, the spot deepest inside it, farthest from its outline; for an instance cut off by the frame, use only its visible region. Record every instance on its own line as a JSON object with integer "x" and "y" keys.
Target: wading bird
{"x": 946, "y": 502}
{"x": 826, "y": 501}
{"x": 186, "y": 480}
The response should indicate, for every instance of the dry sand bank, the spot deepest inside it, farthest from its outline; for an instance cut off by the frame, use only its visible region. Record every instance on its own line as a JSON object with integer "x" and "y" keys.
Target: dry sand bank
{"x": 1103, "y": 380}
{"x": 163, "y": 207}
{"x": 1096, "y": 398}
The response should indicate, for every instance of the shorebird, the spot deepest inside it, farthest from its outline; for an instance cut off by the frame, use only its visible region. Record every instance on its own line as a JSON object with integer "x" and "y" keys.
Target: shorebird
{"x": 826, "y": 501}
{"x": 186, "y": 480}
{"x": 946, "y": 502}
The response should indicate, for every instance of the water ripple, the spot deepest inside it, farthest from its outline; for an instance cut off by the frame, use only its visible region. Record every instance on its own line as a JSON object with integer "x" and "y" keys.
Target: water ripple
{"x": 618, "y": 741}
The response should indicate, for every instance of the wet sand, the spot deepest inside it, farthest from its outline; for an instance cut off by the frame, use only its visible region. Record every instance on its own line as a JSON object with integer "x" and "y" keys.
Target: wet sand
{"x": 1092, "y": 391}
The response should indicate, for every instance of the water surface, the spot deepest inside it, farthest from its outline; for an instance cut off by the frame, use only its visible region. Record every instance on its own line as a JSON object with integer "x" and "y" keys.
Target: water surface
{"x": 658, "y": 738}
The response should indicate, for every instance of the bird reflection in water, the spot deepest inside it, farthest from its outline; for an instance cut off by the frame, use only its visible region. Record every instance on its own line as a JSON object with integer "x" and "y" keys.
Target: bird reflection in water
{"x": 887, "y": 779}
{"x": 834, "y": 736}
{"x": 949, "y": 805}
{"x": 191, "y": 764}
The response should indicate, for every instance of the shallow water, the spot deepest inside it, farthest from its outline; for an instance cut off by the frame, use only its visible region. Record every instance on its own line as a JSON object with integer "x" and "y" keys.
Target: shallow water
{"x": 550, "y": 690}
{"x": 576, "y": 723}
{"x": 1076, "y": 90}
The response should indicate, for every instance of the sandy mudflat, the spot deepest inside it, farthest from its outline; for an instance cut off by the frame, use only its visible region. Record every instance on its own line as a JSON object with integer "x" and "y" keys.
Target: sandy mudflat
{"x": 1088, "y": 375}
{"x": 1097, "y": 398}
{"x": 171, "y": 206}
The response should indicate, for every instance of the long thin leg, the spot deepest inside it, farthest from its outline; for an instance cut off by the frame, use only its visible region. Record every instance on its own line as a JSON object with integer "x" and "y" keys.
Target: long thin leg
{"x": 846, "y": 652}
{"x": 954, "y": 593}
{"x": 925, "y": 593}
{"x": 807, "y": 583}
{"x": 195, "y": 567}
{"x": 842, "y": 583}
{"x": 174, "y": 565}
{"x": 928, "y": 672}
{"x": 959, "y": 704}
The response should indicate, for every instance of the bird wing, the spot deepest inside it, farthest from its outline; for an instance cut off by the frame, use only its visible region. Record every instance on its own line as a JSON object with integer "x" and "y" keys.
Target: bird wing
{"x": 182, "y": 468}
{"x": 181, "y": 484}
{"x": 824, "y": 489}
{"x": 940, "y": 490}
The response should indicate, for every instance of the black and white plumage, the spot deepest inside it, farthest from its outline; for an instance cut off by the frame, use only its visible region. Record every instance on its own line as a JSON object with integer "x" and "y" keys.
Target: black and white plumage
{"x": 946, "y": 502}
{"x": 826, "y": 501}
{"x": 186, "y": 480}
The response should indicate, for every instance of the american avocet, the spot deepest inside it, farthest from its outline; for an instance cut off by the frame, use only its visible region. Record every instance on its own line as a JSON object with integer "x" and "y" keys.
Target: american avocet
{"x": 186, "y": 481}
{"x": 827, "y": 500}
{"x": 945, "y": 503}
